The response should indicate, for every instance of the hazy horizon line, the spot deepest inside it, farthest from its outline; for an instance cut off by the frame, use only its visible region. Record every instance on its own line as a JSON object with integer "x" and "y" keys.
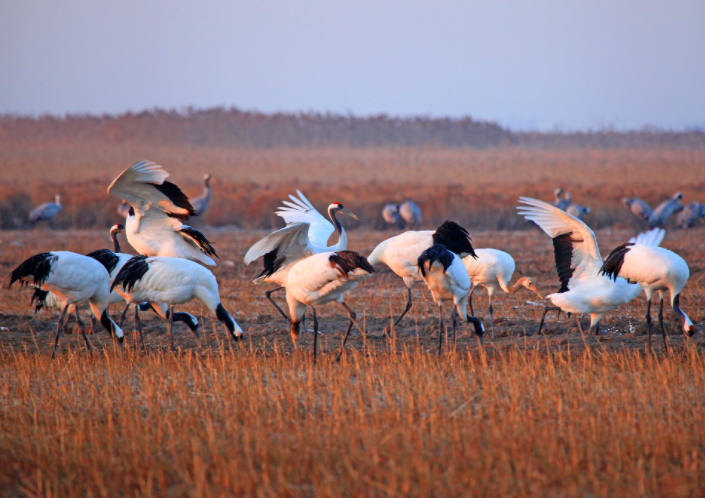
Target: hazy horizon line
{"x": 185, "y": 110}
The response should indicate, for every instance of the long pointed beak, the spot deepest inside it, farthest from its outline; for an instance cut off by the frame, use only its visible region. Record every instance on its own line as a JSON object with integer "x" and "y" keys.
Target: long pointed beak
{"x": 537, "y": 293}
{"x": 349, "y": 214}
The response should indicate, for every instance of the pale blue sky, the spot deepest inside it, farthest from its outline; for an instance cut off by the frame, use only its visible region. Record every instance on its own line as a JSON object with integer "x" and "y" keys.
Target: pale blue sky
{"x": 540, "y": 64}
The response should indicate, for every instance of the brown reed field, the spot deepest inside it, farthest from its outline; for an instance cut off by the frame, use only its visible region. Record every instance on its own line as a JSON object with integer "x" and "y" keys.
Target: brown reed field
{"x": 521, "y": 415}
{"x": 476, "y": 187}
{"x": 560, "y": 414}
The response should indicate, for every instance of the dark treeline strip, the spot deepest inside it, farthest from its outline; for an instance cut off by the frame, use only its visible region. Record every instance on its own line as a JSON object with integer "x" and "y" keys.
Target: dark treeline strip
{"x": 236, "y": 128}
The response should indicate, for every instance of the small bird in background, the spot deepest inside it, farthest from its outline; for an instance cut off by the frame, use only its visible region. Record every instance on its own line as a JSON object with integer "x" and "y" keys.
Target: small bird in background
{"x": 665, "y": 210}
{"x": 123, "y": 210}
{"x": 691, "y": 214}
{"x": 639, "y": 207}
{"x": 200, "y": 203}
{"x": 577, "y": 210}
{"x": 563, "y": 199}
{"x": 46, "y": 211}
{"x": 410, "y": 212}
{"x": 390, "y": 214}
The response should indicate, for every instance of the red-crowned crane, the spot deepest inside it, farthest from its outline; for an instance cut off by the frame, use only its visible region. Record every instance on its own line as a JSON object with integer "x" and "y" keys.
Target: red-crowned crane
{"x": 401, "y": 253}
{"x": 448, "y": 280}
{"x": 157, "y": 208}
{"x": 306, "y": 233}
{"x": 578, "y": 261}
{"x": 320, "y": 279}
{"x": 657, "y": 270}
{"x": 172, "y": 281}
{"x": 74, "y": 278}
{"x": 494, "y": 268}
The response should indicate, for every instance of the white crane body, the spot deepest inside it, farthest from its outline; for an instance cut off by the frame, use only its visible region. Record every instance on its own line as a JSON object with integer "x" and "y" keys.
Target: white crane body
{"x": 321, "y": 279}
{"x": 74, "y": 279}
{"x": 154, "y": 225}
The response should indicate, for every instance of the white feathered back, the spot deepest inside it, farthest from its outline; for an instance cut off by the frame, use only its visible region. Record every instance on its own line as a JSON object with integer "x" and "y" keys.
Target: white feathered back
{"x": 651, "y": 238}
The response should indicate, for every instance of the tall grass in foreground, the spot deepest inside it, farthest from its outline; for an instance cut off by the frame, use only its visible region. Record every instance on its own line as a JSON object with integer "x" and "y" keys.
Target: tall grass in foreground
{"x": 517, "y": 424}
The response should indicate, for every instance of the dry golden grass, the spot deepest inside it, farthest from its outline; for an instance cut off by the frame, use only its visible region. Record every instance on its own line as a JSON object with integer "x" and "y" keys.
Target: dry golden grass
{"x": 556, "y": 415}
{"x": 521, "y": 423}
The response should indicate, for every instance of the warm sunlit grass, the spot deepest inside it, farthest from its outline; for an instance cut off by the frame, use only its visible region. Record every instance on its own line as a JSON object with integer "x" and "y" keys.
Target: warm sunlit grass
{"x": 517, "y": 423}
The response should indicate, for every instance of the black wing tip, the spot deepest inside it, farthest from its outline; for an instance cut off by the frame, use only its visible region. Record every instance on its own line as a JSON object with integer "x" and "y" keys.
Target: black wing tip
{"x": 437, "y": 252}
{"x": 455, "y": 238}
{"x": 348, "y": 261}
{"x": 37, "y": 266}
{"x": 200, "y": 240}
{"x": 563, "y": 253}
{"x": 40, "y": 296}
{"x": 131, "y": 273}
{"x": 271, "y": 263}
{"x": 106, "y": 257}
{"x": 178, "y": 198}
{"x": 613, "y": 264}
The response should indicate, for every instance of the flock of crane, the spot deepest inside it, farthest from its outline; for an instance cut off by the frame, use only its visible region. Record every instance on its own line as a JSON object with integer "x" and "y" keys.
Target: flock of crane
{"x": 170, "y": 269}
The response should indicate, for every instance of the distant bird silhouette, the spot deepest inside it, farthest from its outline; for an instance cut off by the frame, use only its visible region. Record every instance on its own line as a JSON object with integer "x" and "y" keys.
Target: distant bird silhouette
{"x": 639, "y": 207}
{"x": 563, "y": 199}
{"x": 691, "y": 214}
{"x": 665, "y": 210}
{"x": 46, "y": 211}
{"x": 410, "y": 212}
{"x": 200, "y": 203}
{"x": 390, "y": 213}
{"x": 577, "y": 210}
{"x": 123, "y": 210}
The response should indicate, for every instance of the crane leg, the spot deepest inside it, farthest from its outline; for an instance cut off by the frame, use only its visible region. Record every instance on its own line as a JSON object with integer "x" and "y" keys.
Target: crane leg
{"x": 440, "y": 328}
{"x": 82, "y": 326}
{"x": 347, "y": 332}
{"x": 124, "y": 314}
{"x": 171, "y": 327}
{"x": 492, "y": 318}
{"x": 93, "y": 324}
{"x": 472, "y": 311}
{"x": 648, "y": 322}
{"x": 315, "y": 334}
{"x": 406, "y": 310}
{"x": 663, "y": 328}
{"x": 138, "y": 325}
{"x": 269, "y": 296}
{"x": 58, "y": 330}
{"x": 67, "y": 331}
{"x": 546, "y": 310}
{"x": 455, "y": 324}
